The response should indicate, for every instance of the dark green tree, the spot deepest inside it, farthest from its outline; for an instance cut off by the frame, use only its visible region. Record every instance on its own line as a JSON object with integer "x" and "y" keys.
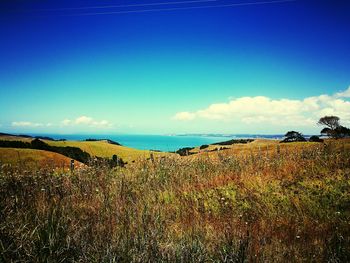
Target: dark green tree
{"x": 294, "y": 136}
{"x": 332, "y": 122}
{"x": 333, "y": 128}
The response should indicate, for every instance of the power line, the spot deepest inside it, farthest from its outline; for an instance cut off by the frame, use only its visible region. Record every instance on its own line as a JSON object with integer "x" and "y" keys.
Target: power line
{"x": 183, "y": 8}
{"x": 121, "y": 6}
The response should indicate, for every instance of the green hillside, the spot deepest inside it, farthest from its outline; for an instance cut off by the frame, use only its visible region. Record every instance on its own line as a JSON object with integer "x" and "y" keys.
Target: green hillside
{"x": 97, "y": 148}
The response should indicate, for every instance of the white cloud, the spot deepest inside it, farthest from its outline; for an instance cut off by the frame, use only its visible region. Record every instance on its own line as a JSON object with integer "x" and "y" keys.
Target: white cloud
{"x": 344, "y": 94}
{"x": 83, "y": 120}
{"x": 25, "y": 124}
{"x": 87, "y": 121}
{"x": 279, "y": 112}
{"x": 66, "y": 122}
{"x": 184, "y": 116}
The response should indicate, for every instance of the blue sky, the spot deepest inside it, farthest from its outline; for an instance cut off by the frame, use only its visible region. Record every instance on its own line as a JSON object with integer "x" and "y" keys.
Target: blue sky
{"x": 261, "y": 67}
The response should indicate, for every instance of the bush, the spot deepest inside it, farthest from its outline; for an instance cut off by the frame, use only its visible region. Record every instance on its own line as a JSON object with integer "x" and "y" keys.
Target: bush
{"x": 342, "y": 132}
{"x": 234, "y": 141}
{"x": 106, "y": 162}
{"x": 204, "y": 146}
{"x": 293, "y": 136}
{"x": 14, "y": 144}
{"x": 184, "y": 151}
{"x": 40, "y": 145}
{"x": 315, "y": 138}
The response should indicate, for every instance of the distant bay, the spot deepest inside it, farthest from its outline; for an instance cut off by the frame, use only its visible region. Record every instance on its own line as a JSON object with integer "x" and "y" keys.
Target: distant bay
{"x": 159, "y": 142}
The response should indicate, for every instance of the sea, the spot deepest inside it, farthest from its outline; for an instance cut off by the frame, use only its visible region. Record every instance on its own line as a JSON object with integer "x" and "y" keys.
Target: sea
{"x": 166, "y": 143}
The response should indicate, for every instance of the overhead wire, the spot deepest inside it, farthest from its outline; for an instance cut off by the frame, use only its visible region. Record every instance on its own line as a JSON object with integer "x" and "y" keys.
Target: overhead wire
{"x": 183, "y": 8}
{"x": 266, "y": 2}
{"x": 121, "y": 6}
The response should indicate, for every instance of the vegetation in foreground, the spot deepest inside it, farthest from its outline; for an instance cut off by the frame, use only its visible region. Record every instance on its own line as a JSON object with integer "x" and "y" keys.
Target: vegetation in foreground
{"x": 285, "y": 204}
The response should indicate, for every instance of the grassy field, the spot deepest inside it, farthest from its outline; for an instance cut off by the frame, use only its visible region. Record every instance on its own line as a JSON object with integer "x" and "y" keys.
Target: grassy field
{"x": 105, "y": 149}
{"x": 34, "y": 159}
{"x": 15, "y": 138}
{"x": 259, "y": 146}
{"x": 252, "y": 145}
{"x": 260, "y": 202}
{"x": 97, "y": 148}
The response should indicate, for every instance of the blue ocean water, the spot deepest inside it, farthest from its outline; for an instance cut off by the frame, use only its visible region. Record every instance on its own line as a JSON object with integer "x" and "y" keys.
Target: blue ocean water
{"x": 157, "y": 142}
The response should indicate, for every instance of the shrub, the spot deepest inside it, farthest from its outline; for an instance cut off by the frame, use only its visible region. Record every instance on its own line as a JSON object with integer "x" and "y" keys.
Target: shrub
{"x": 204, "y": 146}
{"x": 14, "y": 144}
{"x": 315, "y": 138}
{"x": 293, "y": 136}
{"x": 234, "y": 141}
{"x": 184, "y": 151}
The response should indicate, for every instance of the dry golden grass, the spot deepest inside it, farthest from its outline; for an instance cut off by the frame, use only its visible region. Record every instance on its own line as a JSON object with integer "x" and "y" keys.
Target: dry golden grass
{"x": 15, "y": 138}
{"x": 240, "y": 205}
{"x": 98, "y": 148}
{"x": 34, "y": 159}
{"x": 105, "y": 149}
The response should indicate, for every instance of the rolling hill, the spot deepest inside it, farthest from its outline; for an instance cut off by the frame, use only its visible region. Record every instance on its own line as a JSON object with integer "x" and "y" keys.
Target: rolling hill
{"x": 96, "y": 148}
{"x": 31, "y": 158}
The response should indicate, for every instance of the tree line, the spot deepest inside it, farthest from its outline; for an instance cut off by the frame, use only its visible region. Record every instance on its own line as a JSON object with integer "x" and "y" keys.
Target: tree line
{"x": 332, "y": 129}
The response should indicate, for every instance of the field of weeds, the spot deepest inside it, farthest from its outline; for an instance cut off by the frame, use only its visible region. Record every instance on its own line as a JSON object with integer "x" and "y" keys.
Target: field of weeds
{"x": 286, "y": 204}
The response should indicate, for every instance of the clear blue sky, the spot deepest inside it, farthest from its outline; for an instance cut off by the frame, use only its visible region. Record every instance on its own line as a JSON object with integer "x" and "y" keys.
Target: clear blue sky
{"x": 76, "y": 70}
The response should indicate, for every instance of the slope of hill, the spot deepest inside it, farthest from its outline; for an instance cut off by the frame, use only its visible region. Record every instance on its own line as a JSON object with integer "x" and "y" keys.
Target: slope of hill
{"x": 104, "y": 149}
{"x": 31, "y": 158}
{"x": 101, "y": 148}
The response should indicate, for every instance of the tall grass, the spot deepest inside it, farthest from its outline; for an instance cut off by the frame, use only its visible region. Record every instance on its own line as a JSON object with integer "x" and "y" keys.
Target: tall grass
{"x": 290, "y": 205}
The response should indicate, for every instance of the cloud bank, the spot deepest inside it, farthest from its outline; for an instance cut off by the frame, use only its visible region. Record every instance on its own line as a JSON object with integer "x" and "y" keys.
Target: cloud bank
{"x": 87, "y": 121}
{"x": 28, "y": 124}
{"x": 286, "y": 112}
{"x": 82, "y": 121}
